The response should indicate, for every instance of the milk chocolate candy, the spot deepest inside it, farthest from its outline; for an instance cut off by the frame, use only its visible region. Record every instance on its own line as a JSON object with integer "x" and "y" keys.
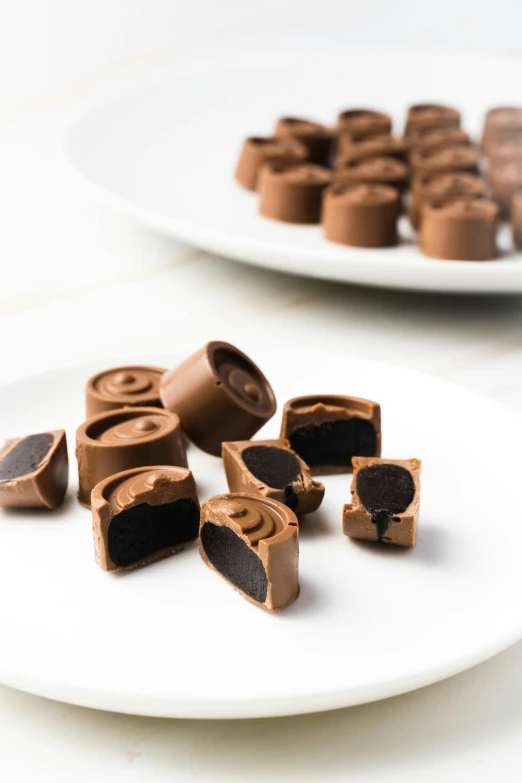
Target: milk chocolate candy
{"x": 505, "y": 178}
{"x": 271, "y": 469}
{"x": 376, "y": 147}
{"x": 346, "y": 142}
{"x": 459, "y": 229}
{"x": 363, "y": 123}
{"x": 428, "y": 187}
{"x": 502, "y": 123}
{"x": 318, "y": 139}
{"x": 429, "y": 116}
{"x": 361, "y": 215}
{"x": 219, "y": 394}
{"x": 505, "y": 150}
{"x": 252, "y": 542}
{"x": 516, "y": 217}
{"x": 292, "y": 194}
{"x": 437, "y": 138}
{"x": 383, "y": 171}
{"x": 258, "y": 151}
{"x": 34, "y": 471}
{"x": 436, "y": 161}
{"x": 385, "y": 502}
{"x": 143, "y": 515}
{"x": 123, "y": 387}
{"x": 123, "y": 439}
{"x": 327, "y": 431}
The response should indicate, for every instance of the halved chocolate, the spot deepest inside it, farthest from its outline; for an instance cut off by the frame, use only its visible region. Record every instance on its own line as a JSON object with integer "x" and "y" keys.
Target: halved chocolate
{"x": 327, "y": 431}
{"x": 123, "y": 387}
{"x": 252, "y": 542}
{"x": 271, "y": 469}
{"x": 143, "y": 515}
{"x": 34, "y": 470}
{"x": 385, "y": 503}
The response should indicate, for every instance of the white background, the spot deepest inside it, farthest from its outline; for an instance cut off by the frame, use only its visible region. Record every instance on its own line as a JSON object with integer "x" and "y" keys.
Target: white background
{"x": 79, "y": 281}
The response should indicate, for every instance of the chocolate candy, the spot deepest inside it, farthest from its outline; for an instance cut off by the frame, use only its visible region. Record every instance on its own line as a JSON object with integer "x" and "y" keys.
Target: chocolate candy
{"x": 429, "y": 116}
{"x": 428, "y": 187}
{"x": 374, "y": 147}
{"x": 143, "y": 515}
{"x": 502, "y": 123}
{"x": 123, "y": 387}
{"x": 292, "y": 194}
{"x": 271, "y": 469}
{"x": 127, "y": 438}
{"x": 505, "y": 149}
{"x": 383, "y": 171}
{"x": 363, "y": 123}
{"x": 437, "y": 138}
{"x": 258, "y": 151}
{"x": 516, "y": 217}
{"x": 34, "y": 470}
{"x": 327, "y": 431}
{"x": 459, "y": 229}
{"x": 505, "y": 178}
{"x": 385, "y": 502}
{"x": 252, "y": 542}
{"x": 361, "y": 215}
{"x": 318, "y": 139}
{"x": 219, "y": 394}
{"x": 456, "y": 158}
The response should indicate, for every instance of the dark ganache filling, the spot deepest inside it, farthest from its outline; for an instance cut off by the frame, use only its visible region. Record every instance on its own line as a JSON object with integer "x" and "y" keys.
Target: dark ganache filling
{"x": 275, "y": 467}
{"x": 385, "y": 490}
{"x": 140, "y": 531}
{"x": 334, "y": 442}
{"x": 25, "y": 457}
{"x": 234, "y": 559}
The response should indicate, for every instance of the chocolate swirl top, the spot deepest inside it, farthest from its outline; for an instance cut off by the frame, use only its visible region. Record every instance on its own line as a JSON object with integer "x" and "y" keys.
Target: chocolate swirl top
{"x": 463, "y": 208}
{"x": 454, "y": 183}
{"x": 241, "y": 378}
{"x": 362, "y": 194}
{"x": 435, "y": 138}
{"x": 450, "y": 158}
{"x": 363, "y": 122}
{"x": 375, "y": 146}
{"x": 154, "y": 485}
{"x": 379, "y": 169}
{"x": 127, "y": 385}
{"x": 303, "y": 174}
{"x": 130, "y": 426}
{"x": 301, "y": 128}
{"x": 254, "y": 518}
{"x": 504, "y": 118}
{"x": 431, "y": 115}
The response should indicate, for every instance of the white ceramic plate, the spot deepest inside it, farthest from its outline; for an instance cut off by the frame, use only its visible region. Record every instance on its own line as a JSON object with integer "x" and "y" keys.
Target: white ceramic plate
{"x": 175, "y": 640}
{"x": 165, "y": 150}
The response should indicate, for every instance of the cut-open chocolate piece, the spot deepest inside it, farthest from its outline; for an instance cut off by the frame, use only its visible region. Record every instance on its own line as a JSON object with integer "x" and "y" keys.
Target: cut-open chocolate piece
{"x": 143, "y": 515}
{"x": 271, "y": 469}
{"x": 34, "y": 470}
{"x": 327, "y": 431}
{"x": 252, "y": 542}
{"x": 385, "y": 502}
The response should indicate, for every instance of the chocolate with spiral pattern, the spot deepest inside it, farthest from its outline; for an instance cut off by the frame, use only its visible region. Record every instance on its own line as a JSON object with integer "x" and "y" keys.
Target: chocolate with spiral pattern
{"x": 123, "y": 387}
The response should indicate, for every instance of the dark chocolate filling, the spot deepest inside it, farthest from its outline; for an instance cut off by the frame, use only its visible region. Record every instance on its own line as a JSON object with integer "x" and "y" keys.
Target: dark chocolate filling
{"x": 137, "y": 532}
{"x": 25, "y": 457}
{"x": 275, "y": 467}
{"x": 385, "y": 490}
{"x": 233, "y": 558}
{"x": 334, "y": 443}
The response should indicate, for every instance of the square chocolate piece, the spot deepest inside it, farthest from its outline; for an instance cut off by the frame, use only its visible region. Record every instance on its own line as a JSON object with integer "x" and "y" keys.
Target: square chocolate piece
{"x": 385, "y": 502}
{"x": 327, "y": 430}
{"x": 271, "y": 469}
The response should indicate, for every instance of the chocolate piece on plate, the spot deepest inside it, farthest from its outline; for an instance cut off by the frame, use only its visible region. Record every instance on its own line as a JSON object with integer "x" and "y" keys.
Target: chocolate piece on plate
{"x": 293, "y": 193}
{"x": 34, "y": 470}
{"x": 429, "y": 116}
{"x": 459, "y": 229}
{"x": 123, "y": 387}
{"x": 361, "y": 215}
{"x": 363, "y": 123}
{"x": 258, "y": 151}
{"x": 317, "y": 138}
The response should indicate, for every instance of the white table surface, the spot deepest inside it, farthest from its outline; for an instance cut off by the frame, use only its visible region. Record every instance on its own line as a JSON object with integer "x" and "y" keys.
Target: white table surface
{"x": 79, "y": 281}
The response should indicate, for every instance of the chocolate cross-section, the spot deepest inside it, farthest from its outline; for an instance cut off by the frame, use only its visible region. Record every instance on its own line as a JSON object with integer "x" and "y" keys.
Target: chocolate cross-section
{"x": 34, "y": 470}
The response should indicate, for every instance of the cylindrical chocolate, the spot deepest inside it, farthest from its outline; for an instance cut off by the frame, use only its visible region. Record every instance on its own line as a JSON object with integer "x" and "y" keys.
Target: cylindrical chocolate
{"x": 361, "y": 215}
{"x": 437, "y": 138}
{"x": 505, "y": 178}
{"x": 219, "y": 394}
{"x": 123, "y": 439}
{"x": 505, "y": 149}
{"x": 257, "y": 151}
{"x": 362, "y": 123}
{"x": 424, "y": 116}
{"x": 516, "y": 218}
{"x": 375, "y": 147}
{"x": 433, "y": 186}
{"x": 318, "y": 139}
{"x": 456, "y": 158}
{"x": 383, "y": 171}
{"x": 502, "y": 123}
{"x": 459, "y": 229}
{"x": 292, "y": 194}
{"x": 123, "y": 387}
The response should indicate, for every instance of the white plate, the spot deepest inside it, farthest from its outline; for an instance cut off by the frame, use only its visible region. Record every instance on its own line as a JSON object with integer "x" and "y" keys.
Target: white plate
{"x": 165, "y": 150}
{"x": 175, "y": 640}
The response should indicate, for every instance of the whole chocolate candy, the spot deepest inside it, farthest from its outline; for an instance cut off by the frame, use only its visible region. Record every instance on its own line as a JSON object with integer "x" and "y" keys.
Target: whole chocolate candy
{"x": 428, "y": 187}
{"x": 318, "y": 139}
{"x": 252, "y": 542}
{"x": 127, "y": 438}
{"x": 382, "y": 170}
{"x": 373, "y": 147}
{"x": 459, "y": 229}
{"x": 502, "y": 123}
{"x": 123, "y": 387}
{"x": 505, "y": 178}
{"x": 437, "y": 138}
{"x": 219, "y": 394}
{"x": 361, "y": 215}
{"x": 363, "y": 123}
{"x": 429, "y": 116}
{"x": 455, "y": 158}
{"x": 293, "y": 194}
{"x": 34, "y": 470}
{"x": 259, "y": 151}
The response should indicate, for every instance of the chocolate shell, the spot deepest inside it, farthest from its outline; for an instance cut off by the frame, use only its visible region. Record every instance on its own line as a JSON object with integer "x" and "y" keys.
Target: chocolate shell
{"x": 258, "y": 151}
{"x": 317, "y": 138}
{"x": 363, "y": 123}
{"x": 123, "y": 387}
{"x": 34, "y": 471}
{"x": 361, "y": 215}
{"x": 459, "y": 229}
{"x": 430, "y": 116}
{"x": 293, "y": 194}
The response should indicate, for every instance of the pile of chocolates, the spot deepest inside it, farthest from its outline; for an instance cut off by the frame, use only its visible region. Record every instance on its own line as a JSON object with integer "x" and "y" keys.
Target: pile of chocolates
{"x": 356, "y": 179}
{"x": 134, "y": 475}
